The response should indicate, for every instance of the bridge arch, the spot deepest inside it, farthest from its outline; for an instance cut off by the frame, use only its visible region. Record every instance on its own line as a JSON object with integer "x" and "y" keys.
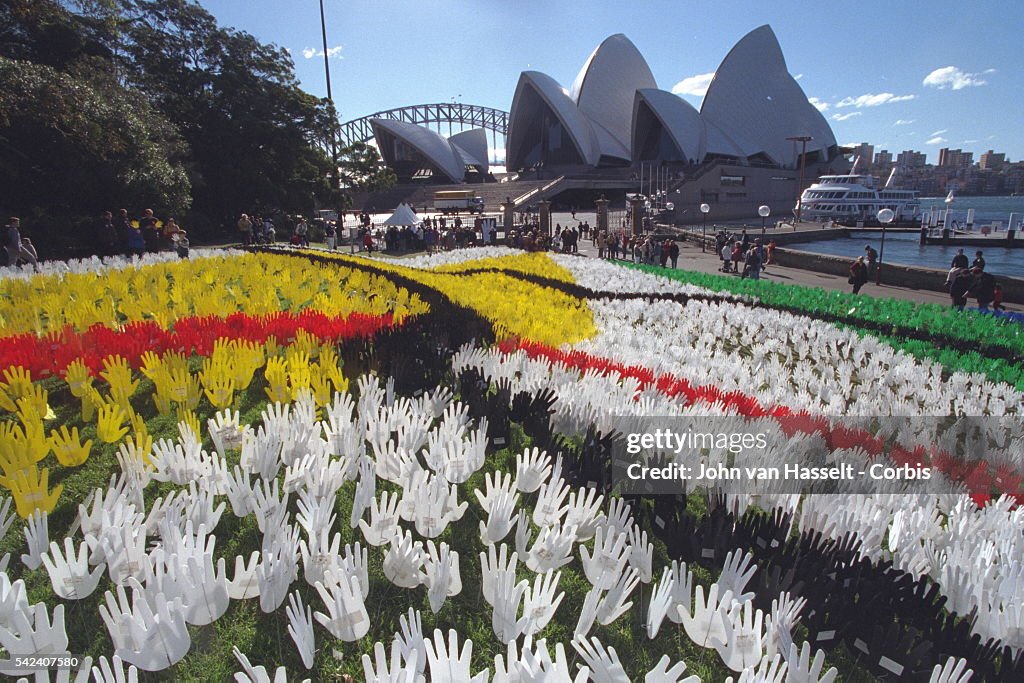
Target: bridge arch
{"x": 453, "y": 114}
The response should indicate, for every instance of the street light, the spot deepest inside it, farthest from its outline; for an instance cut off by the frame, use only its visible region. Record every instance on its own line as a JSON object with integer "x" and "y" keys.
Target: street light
{"x": 884, "y": 217}
{"x": 704, "y": 208}
{"x": 763, "y": 211}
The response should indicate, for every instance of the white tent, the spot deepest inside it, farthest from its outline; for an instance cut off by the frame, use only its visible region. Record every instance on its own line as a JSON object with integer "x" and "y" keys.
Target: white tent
{"x": 403, "y": 215}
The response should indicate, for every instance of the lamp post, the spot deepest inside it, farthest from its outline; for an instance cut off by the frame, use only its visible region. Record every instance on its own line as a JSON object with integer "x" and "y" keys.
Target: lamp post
{"x": 885, "y": 217}
{"x": 763, "y": 211}
{"x": 800, "y": 185}
{"x": 704, "y": 208}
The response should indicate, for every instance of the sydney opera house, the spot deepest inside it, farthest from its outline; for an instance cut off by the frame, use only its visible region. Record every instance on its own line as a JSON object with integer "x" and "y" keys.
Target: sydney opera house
{"x": 613, "y": 119}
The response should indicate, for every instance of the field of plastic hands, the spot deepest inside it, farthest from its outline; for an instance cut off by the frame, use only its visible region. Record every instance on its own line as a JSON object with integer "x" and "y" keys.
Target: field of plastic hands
{"x": 142, "y": 403}
{"x": 960, "y": 340}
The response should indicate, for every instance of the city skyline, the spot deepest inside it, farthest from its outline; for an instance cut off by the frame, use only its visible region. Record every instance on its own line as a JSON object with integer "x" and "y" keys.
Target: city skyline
{"x": 918, "y": 83}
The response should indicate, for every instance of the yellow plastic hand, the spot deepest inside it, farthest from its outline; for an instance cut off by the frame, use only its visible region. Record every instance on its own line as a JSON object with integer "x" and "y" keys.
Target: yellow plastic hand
{"x": 321, "y": 387}
{"x": 118, "y": 375}
{"x": 278, "y": 393}
{"x": 108, "y": 424}
{"x": 6, "y": 402}
{"x": 190, "y": 418}
{"x": 68, "y": 447}
{"x": 150, "y": 364}
{"x": 78, "y": 378}
{"x": 17, "y": 382}
{"x": 221, "y": 392}
{"x": 90, "y": 401}
{"x": 163, "y": 404}
{"x": 30, "y": 489}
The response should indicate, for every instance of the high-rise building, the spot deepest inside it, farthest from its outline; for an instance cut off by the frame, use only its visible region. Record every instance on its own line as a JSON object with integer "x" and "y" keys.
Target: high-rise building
{"x": 992, "y": 160}
{"x": 883, "y": 159}
{"x": 865, "y": 153}
{"x": 911, "y": 159}
{"x": 955, "y": 158}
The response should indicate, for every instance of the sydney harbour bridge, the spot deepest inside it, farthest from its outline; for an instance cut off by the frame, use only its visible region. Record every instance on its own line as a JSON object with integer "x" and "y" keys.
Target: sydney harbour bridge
{"x": 445, "y": 117}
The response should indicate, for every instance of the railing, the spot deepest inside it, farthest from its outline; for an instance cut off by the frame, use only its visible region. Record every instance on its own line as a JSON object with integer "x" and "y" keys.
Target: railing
{"x": 522, "y": 199}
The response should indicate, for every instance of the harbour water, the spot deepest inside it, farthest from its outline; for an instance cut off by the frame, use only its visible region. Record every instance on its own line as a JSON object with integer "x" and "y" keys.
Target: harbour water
{"x": 905, "y": 248}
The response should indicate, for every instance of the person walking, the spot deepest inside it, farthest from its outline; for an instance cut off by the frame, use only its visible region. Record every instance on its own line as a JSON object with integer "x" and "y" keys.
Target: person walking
{"x": 752, "y": 264}
{"x": 726, "y": 255}
{"x": 959, "y": 288}
{"x": 871, "y": 257}
{"x": 302, "y": 232}
{"x": 737, "y": 255}
{"x": 983, "y": 287}
{"x": 673, "y": 253}
{"x": 244, "y": 226}
{"x": 858, "y": 274}
{"x": 18, "y": 247}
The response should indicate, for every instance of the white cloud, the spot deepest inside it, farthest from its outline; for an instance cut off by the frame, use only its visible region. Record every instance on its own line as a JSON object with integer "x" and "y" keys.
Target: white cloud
{"x": 957, "y": 79}
{"x": 821, "y": 105}
{"x": 904, "y": 122}
{"x": 935, "y": 140}
{"x": 842, "y": 117}
{"x": 939, "y": 132}
{"x": 873, "y": 100}
{"x": 694, "y": 85}
{"x": 970, "y": 142}
{"x": 310, "y": 52}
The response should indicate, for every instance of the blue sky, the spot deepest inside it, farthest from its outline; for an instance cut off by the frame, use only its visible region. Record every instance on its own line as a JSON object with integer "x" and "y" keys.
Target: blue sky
{"x": 900, "y": 75}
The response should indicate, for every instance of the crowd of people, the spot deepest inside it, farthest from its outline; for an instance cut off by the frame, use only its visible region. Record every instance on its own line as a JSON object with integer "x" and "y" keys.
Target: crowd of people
{"x": 734, "y": 250}
{"x": 971, "y": 281}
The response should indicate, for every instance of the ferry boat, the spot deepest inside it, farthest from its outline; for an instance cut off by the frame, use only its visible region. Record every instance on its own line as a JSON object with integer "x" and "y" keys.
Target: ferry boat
{"x": 852, "y": 198}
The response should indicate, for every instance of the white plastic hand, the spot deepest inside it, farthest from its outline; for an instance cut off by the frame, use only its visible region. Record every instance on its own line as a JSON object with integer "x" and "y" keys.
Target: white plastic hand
{"x": 114, "y": 671}
{"x": 508, "y": 595}
{"x": 500, "y": 518}
{"x": 551, "y": 507}
{"x": 403, "y": 563}
{"x": 803, "y": 670}
{"x": 206, "y": 590}
{"x": 584, "y": 513}
{"x": 399, "y": 670}
{"x": 347, "y": 618}
{"x": 588, "y": 613}
{"x": 704, "y": 622}
{"x": 320, "y": 555}
{"x": 552, "y": 549}
{"x": 244, "y": 584}
{"x": 448, "y": 665}
{"x": 953, "y": 671}
{"x": 682, "y": 591}
{"x": 641, "y": 554}
{"x": 300, "y": 628}
{"x": 495, "y": 560}
{"x": 533, "y": 467}
{"x": 742, "y": 646}
{"x": 442, "y": 575}
{"x": 501, "y": 483}
{"x": 613, "y": 605}
{"x": 37, "y": 535}
{"x": 411, "y": 639}
{"x": 661, "y": 600}
{"x": 604, "y": 664}
{"x": 354, "y": 562}
{"x": 611, "y": 553}
{"x": 7, "y": 517}
{"x": 69, "y": 572}
{"x": 661, "y": 673}
{"x": 32, "y": 633}
{"x": 540, "y": 601}
{"x": 366, "y": 490}
{"x": 13, "y": 599}
{"x": 737, "y": 572}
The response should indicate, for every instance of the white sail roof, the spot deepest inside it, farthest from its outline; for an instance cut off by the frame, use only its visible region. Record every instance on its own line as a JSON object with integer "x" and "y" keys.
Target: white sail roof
{"x": 604, "y": 89}
{"x": 677, "y": 117}
{"x": 432, "y": 146}
{"x": 756, "y": 102}
{"x": 472, "y": 147}
{"x": 558, "y": 102}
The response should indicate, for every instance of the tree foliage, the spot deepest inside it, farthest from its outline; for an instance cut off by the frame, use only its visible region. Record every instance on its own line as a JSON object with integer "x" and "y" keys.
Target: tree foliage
{"x": 152, "y": 103}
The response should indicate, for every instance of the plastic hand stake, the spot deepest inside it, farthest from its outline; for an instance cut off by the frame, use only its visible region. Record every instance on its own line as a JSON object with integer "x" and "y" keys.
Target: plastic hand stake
{"x": 495, "y": 560}
{"x": 383, "y": 520}
{"x": 410, "y": 640}
{"x": 13, "y": 599}
{"x": 69, "y": 572}
{"x": 244, "y": 583}
{"x": 447, "y": 664}
{"x": 404, "y": 560}
{"x": 31, "y": 492}
{"x": 641, "y": 554}
{"x": 37, "y": 535}
{"x": 239, "y": 492}
{"x": 540, "y": 602}
{"x": 113, "y": 671}
{"x": 738, "y": 570}
{"x": 682, "y": 591}
{"x": 552, "y": 549}
{"x": 355, "y": 562}
{"x": 704, "y": 623}
{"x": 258, "y": 674}
{"x": 662, "y": 673}
{"x": 442, "y": 575}
{"x": 30, "y": 632}
{"x": 620, "y": 516}
{"x": 501, "y": 484}
{"x": 225, "y": 431}
{"x": 585, "y": 513}
{"x": 300, "y": 628}
{"x": 68, "y": 447}
{"x": 366, "y": 489}
{"x": 400, "y": 669}
{"x": 588, "y": 613}
{"x": 108, "y": 423}
{"x": 346, "y": 617}
{"x": 206, "y": 588}
{"x": 613, "y": 604}
{"x": 551, "y": 507}
{"x": 661, "y": 600}
{"x": 743, "y": 644}
{"x": 533, "y": 467}
{"x": 611, "y": 553}
{"x": 275, "y": 574}
{"x": 320, "y": 556}
{"x": 802, "y": 669}
{"x": 523, "y": 534}
{"x": 500, "y": 517}
{"x": 604, "y": 664}
{"x": 508, "y": 595}
{"x": 768, "y": 670}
